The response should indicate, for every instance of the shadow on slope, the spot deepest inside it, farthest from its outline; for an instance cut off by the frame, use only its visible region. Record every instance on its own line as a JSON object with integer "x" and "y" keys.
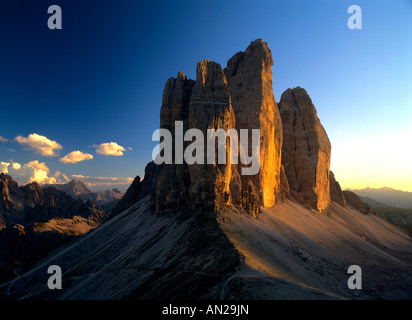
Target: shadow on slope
{"x": 137, "y": 255}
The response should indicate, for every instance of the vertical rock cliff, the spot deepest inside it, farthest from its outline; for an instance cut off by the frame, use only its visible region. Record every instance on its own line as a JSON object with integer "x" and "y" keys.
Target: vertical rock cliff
{"x": 171, "y": 181}
{"x": 249, "y": 76}
{"x": 238, "y": 97}
{"x": 210, "y": 108}
{"x": 306, "y": 150}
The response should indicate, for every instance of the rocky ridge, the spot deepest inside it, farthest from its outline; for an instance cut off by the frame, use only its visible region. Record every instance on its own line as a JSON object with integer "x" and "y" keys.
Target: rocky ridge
{"x": 32, "y": 203}
{"x": 78, "y": 190}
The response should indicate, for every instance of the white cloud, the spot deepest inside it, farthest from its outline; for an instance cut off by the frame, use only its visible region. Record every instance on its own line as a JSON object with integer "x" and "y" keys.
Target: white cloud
{"x": 79, "y": 176}
{"x": 61, "y": 177}
{"x": 33, "y": 171}
{"x": 4, "y": 167}
{"x": 40, "y": 144}
{"x": 3, "y": 139}
{"x": 110, "y": 149}
{"x": 16, "y": 166}
{"x": 76, "y": 156}
{"x": 36, "y": 171}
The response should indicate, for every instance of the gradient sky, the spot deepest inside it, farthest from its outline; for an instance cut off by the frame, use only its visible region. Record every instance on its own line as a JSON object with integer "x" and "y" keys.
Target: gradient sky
{"x": 100, "y": 79}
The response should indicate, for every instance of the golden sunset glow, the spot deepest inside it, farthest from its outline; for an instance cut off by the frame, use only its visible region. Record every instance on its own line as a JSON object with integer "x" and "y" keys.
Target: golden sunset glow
{"x": 374, "y": 160}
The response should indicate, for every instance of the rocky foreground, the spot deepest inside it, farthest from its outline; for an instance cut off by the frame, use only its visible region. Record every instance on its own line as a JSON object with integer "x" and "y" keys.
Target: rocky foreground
{"x": 287, "y": 252}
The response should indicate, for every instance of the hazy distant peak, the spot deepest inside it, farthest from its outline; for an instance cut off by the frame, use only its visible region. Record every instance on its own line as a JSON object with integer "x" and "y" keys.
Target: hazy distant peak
{"x": 388, "y": 196}
{"x": 73, "y": 188}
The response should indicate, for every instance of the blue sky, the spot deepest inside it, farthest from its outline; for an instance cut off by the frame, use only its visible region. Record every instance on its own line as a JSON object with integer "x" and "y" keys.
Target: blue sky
{"x": 100, "y": 79}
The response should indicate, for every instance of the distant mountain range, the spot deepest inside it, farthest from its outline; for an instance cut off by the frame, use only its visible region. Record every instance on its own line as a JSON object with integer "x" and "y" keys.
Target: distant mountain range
{"x": 35, "y": 220}
{"x": 78, "y": 190}
{"x": 387, "y": 196}
{"x": 400, "y": 217}
{"x": 31, "y": 203}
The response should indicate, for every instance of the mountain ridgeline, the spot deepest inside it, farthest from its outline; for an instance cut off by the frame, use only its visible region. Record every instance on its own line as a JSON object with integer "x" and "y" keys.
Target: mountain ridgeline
{"x": 387, "y": 196}
{"x": 32, "y": 203}
{"x": 78, "y": 190}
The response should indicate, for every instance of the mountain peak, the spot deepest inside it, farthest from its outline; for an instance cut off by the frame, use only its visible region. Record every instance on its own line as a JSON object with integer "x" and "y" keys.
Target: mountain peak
{"x": 73, "y": 188}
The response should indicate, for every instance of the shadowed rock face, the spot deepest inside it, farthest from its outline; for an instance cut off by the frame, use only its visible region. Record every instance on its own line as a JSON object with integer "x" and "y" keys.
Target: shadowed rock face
{"x": 306, "y": 150}
{"x": 355, "y": 202}
{"x": 175, "y": 102}
{"x": 170, "y": 183}
{"x": 238, "y": 97}
{"x": 210, "y": 108}
{"x": 130, "y": 197}
{"x": 7, "y": 186}
{"x": 336, "y": 193}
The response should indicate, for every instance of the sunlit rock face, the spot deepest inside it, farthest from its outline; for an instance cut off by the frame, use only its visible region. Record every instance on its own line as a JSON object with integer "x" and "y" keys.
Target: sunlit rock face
{"x": 249, "y": 76}
{"x": 306, "y": 150}
{"x": 238, "y": 97}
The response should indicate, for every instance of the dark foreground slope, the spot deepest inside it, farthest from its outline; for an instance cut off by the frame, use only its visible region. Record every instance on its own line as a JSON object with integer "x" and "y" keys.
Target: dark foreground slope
{"x": 137, "y": 255}
{"x": 287, "y": 252}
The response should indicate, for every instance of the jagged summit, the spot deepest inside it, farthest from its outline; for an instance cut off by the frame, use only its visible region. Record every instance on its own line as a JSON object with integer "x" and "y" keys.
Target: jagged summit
{"x": 78, "y": 190}
{"x": 74, "y": 188}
